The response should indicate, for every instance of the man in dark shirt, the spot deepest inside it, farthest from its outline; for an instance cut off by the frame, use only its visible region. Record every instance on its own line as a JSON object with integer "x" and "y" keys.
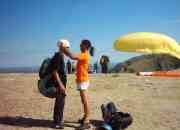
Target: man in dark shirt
{"x": 57, "y": 68}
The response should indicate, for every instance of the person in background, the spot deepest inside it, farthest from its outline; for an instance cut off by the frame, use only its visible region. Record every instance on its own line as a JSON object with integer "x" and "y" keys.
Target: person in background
{"x": 69, "y": 67}
{"x": 104, "y": 63}
{"x": 95, "y": 67}
{"x": 73, "y": 67}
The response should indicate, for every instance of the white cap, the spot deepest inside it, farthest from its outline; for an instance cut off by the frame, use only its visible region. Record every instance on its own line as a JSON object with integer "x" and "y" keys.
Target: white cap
{"x": 63, "y": 42}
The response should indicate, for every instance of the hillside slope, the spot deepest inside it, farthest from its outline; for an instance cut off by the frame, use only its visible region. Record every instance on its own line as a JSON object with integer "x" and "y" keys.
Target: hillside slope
{"x": 153, "y": 62}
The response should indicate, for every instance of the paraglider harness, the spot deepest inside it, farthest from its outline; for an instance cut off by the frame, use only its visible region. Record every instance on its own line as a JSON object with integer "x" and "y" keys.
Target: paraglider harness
{"x": 43, "y": 71}
{"x": 114, "y": 119}
{"x": 46, "y": 85}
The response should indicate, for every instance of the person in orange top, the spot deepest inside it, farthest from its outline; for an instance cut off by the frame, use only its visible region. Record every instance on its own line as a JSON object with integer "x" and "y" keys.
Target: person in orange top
{"x": 82, "y": 67}
{"x": 82, "y": 78}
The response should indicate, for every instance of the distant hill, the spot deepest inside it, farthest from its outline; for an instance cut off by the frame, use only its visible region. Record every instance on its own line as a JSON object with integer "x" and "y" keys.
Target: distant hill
{"x": 152, "y": 62}
{"x": 19, "y": 69}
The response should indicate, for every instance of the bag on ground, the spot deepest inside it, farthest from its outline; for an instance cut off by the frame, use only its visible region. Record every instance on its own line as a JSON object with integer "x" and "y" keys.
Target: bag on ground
{"x": 114, "y": 118}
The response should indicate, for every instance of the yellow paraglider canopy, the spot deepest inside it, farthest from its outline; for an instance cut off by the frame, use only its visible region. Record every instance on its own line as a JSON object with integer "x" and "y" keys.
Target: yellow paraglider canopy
{"x": 146, "y": 42}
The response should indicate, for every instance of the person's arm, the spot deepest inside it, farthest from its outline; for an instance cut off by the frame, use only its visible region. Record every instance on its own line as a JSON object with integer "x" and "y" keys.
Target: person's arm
{"x": 71, "y": 55}
{"x": 60, "y": 84}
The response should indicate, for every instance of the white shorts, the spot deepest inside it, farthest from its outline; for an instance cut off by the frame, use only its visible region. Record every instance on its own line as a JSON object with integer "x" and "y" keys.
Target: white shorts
{"x": 83, "y": 85}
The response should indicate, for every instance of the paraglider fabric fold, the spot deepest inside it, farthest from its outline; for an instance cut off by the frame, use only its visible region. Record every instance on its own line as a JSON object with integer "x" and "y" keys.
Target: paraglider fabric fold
{"x": 160, "y": 73}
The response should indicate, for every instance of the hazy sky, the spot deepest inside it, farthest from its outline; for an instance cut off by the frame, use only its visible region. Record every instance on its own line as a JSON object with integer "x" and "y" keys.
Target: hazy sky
{"x": 29, "y": 29}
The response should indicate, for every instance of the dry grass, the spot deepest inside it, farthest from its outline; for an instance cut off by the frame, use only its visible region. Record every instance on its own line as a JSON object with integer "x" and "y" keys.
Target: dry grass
{"x": 154, "y": 102}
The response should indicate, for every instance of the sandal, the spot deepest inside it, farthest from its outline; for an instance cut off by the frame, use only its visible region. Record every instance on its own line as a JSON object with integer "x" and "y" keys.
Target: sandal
{"x": 81, "y": 121}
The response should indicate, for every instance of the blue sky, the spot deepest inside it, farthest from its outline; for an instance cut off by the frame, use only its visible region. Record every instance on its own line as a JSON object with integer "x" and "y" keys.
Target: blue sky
{"x": 29, "y": 29}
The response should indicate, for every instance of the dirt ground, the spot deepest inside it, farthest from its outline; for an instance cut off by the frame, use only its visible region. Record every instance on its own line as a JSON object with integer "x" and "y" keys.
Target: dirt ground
{"x": 154, "y": 102}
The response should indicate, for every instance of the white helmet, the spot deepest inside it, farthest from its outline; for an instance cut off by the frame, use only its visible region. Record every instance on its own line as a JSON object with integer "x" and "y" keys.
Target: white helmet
{"x": 63, "y": 42}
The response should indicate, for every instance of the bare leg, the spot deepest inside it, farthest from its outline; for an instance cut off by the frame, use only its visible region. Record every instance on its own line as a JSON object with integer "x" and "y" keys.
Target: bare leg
{"x": 86, "y": 107}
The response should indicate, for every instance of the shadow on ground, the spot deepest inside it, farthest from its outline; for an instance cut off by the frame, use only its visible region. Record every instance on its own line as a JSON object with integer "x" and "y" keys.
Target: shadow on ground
{"x": 25, "y": 122}
{"x": 29, "y": 122}
{"x": 93, "y": 122}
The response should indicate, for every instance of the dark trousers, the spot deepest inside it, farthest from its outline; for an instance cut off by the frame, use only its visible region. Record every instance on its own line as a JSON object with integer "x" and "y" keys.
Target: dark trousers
{"x": 59, "y": 107}
{"x": 104, "y": 68}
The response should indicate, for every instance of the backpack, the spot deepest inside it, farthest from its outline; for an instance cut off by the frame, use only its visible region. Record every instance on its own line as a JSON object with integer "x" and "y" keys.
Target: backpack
{"x": 45, "y": 84}
{"x": 117, "y": 120}
{"x": 120, "y": 120}
{"x": 108, "y": 110}
{"x": 43, "y": 71}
